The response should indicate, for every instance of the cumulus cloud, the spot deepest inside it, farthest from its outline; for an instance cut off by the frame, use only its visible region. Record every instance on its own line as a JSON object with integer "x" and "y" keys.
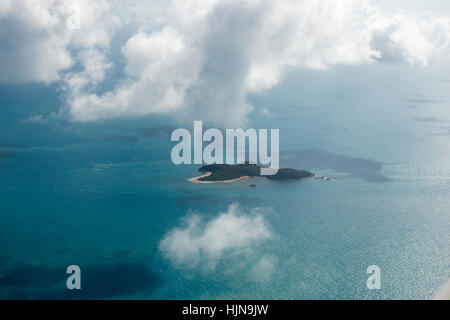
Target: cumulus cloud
{"x": 37, "y": 37}
{"x": 209, "y": 55}
{"x": 201, "y": 58}
{"x": 159, "y": 68}
{"x": 204, "y": 244}
{"x": 415, "y": 39}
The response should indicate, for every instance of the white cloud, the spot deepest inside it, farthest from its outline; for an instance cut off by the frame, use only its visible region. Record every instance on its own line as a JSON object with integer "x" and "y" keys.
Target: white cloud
{"x": 265, "y": 112}
{"x": 415, "y": 39}
{"x": 210, "y": 54}
{"x": 33, "y": 44}
{"x": 204, "y": 244}
{"x": 201, "y": 58}
{"x": 159, "y": 68}
{"x": 36, "y": 42}
{"x": 34, "y": 119}
{"x": 95, "y": 65}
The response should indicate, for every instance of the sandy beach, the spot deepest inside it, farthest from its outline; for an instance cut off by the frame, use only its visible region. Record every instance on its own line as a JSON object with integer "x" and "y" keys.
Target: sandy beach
{"x": 444, "y": 293}
{"x": 196, "y": 179}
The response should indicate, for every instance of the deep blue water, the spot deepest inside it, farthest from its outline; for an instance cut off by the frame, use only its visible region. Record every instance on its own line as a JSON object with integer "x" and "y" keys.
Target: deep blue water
{"x": 103, "y": 195}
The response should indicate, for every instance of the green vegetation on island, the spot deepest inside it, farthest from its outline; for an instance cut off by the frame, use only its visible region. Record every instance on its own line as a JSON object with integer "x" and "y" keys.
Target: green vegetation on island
{"x": 225, "y": 172}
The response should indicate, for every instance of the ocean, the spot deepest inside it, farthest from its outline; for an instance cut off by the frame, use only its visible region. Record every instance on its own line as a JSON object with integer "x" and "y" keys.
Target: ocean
{"x": 104, "y": 195}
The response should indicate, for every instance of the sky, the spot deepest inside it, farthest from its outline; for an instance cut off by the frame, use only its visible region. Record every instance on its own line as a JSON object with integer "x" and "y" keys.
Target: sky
{"x": 191, "y": 59}
{"x": 415, "y": 6}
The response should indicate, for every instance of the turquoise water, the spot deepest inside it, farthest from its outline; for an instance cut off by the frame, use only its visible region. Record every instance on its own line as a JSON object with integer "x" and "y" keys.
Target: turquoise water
{"x": 103, "y": 196}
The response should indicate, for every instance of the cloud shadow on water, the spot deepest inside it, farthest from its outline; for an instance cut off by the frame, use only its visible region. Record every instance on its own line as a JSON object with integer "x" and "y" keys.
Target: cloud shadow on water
{"x": 3, "y": 156}
{"x": 99, "y": 281}
{"x": 419, "y": 101}
{"x": 438, "y": 130}
{"x": 122, "y": 138}
{"x": 423, "y": 100}
{"x": 157, "y": 132}
{"x": 429, "y": 120}
{"x": 314, "y": 159}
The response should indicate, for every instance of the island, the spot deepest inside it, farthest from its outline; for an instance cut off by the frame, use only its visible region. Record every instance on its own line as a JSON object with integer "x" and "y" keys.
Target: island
{"x": 232, "y": 173}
